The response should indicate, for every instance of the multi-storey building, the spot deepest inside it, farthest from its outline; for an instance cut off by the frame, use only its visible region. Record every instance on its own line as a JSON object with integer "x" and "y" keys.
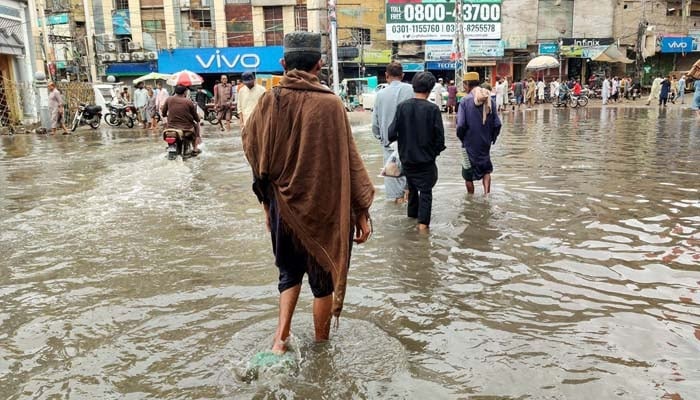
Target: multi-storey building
{"x": 129, "y": 38}
{"x": 668, "y": 32}
{"x": 17, "y": 51}
{"x": 598, "y": 37}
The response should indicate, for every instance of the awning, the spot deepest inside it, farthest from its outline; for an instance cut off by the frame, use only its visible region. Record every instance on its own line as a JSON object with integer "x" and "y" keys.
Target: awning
{"x": 612, "y": 55}
{"x": 131, "y": 69}
{"x": 10, "y": 43}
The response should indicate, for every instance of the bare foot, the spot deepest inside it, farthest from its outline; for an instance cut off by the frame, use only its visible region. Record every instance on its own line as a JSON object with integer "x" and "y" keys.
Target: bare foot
{"x": 279, "y": 347}
{"x": 423, "y": 228}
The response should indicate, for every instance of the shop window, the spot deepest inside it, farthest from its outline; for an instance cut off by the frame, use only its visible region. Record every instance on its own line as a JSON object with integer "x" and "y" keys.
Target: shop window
{"x": 674, "y": 8}
{"x": 360, "y": 35}
{"x": 154, "y": 26}
{"x": 274, "y": 26}
{"x": 121, "y": 4}
{"x": 300, "y": 18}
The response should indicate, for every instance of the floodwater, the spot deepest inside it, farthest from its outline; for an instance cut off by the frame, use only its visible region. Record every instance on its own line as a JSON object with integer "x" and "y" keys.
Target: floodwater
{"x": 127, "y": 276}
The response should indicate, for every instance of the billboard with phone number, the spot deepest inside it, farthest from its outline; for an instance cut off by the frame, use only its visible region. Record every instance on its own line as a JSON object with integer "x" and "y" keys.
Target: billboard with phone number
{"x": 435, "y": 19}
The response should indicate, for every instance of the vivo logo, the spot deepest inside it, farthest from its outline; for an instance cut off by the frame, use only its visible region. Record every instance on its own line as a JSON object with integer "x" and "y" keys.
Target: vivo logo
{"x": 678, "y": 45}
{"x": 245, "y": 60}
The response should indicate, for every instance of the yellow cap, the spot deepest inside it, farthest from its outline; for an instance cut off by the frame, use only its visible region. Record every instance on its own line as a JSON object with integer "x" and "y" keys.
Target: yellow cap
{"x": 471, "y": 76}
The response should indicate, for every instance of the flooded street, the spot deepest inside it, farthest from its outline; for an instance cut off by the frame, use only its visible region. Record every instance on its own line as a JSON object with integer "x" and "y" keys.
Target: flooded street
{"x": 128, "y": 276}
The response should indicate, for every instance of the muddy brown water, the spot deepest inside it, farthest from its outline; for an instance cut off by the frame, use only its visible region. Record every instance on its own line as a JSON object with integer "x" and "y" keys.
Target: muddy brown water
{"x": 127, "y": 276}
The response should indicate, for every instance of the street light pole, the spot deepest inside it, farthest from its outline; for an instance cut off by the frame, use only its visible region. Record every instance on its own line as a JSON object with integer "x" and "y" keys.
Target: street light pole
{"x": 334, "y": 45}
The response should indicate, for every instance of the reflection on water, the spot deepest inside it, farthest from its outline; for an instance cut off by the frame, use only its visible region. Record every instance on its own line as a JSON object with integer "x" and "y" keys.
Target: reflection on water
{"x": 129, "y": 276}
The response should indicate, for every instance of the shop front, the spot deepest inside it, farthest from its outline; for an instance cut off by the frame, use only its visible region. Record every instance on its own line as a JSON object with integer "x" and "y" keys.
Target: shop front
{"x": 367, "y": 63}
{"x": 127, "y": 72}
{"x": 211, "y": 63}
{"x": 579, "y": 55}
{"x": 482, "y": 57}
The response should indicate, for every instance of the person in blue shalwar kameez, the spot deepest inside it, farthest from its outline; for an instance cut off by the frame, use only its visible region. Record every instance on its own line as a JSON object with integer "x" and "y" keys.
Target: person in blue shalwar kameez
{"x": 478, "y": 126}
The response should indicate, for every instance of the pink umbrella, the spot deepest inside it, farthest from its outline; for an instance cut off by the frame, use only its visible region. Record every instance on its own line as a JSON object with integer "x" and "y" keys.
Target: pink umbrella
{"x": 185, "y": 78}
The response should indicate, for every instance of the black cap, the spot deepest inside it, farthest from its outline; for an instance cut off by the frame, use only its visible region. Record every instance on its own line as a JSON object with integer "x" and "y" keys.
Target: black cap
{"x": 248, "y": 77}
{"x": 302, "y": 42}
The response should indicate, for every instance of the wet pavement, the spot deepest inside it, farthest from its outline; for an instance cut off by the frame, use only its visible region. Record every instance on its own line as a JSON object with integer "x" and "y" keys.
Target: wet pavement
{"x": 128, "y": 276}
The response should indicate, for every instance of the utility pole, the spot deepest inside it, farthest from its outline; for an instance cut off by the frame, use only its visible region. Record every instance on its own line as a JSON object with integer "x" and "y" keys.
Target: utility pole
{"x": 459, "y": 46}
{"x": 334, "y": 45}
{"x": 641, "y": 32}
{"x": 89, "y": 42}
{"x": 45, "y": 38}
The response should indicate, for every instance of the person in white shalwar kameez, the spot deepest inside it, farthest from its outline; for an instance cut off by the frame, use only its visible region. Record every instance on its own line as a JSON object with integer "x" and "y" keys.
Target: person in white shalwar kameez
{"x": 605, "y": 93}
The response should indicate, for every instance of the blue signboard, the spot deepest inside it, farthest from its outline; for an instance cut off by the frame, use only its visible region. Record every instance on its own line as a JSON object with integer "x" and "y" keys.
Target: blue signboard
{"x": 131, "y": 69}
{"x": 413, "y": 67}
{"x": 221, "y": 60}
{"x": 548, "y": 48}
{"x": 121, "y": 22}
{"x": 677, "y": 44}
{"x": 55, "y": 19}
{"x": 440, "y": 65}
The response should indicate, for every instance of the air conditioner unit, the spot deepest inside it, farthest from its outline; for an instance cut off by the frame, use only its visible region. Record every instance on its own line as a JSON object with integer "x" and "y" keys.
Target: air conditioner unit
{"x": 134, "y": 46}
{"x": 205, "y": 3}
{"x": 184, "y": 3}
{"x": 111, "y": 46}
{"x": 151, "y": 55}
{"x": 108, "y": 57}
{"x": 124, "y": 57}
{"x": 138, "y": 56}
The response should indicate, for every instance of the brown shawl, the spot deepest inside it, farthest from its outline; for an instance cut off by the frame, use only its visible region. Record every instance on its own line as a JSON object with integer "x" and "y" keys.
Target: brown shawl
{"x": 299, "y": 139}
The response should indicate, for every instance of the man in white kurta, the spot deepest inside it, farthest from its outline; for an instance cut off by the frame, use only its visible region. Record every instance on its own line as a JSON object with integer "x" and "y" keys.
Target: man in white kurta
{"x": 605, "y": 93}
{"x": 655, "y": 90}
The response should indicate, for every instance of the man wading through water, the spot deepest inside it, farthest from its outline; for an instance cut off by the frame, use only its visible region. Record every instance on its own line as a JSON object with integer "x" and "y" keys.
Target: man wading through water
{"x": 312, "y": 183}
{"x": 478, "y": 127}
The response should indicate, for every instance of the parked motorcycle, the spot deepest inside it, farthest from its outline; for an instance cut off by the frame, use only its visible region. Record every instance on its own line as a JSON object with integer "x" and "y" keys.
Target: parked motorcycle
{"x": 180, "y": 143}
{"x": 120, "y": 114}
{"x": 87, "y": 114}
{"x": 210, "y": 114}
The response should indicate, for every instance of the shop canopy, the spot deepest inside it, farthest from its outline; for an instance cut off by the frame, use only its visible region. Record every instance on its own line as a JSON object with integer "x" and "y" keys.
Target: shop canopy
{"x": 612, "y": 55}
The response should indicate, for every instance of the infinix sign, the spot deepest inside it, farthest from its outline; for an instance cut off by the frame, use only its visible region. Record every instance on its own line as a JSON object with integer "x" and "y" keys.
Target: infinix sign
{"x": 226, "y": 60}
{"x": 677, "y": 44}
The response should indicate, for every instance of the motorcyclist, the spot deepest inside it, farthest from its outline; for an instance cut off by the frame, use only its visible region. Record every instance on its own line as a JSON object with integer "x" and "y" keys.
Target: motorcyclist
{"x": 182, "y": 114}
{"x": 564, "y": 93}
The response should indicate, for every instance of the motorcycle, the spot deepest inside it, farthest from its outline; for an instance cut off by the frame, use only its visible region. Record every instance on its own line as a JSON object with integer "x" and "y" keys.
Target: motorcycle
{"x": 210, "y": 114}
{"x": 180, "y": 143}
{"x": 87, "y": 114}
{"x": 120, "y": 114}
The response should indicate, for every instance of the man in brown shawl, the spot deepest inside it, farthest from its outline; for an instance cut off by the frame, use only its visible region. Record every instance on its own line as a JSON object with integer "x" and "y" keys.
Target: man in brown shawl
{"x": 312, "y": 182}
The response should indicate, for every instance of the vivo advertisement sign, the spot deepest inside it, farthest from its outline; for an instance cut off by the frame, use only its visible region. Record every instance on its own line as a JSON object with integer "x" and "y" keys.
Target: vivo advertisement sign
{"x": 221, "y": 60}
{"x": 677, "y": 44}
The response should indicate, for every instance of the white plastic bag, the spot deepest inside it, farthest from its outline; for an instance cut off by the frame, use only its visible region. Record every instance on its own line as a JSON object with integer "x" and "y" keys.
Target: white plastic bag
{"x": 393, "y": 168}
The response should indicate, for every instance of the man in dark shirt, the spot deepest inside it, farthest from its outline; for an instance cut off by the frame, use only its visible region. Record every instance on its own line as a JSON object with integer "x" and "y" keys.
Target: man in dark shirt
{"x": 417, "y": 127}
{"x": 182, "y": 114}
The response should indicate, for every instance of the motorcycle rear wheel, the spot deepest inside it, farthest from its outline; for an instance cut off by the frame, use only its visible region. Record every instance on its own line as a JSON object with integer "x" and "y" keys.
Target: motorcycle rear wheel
{"x": 95, "y": 122}
{"x": 582, "y": 101}
{"x": 129, "y": 122}
{"x": 111, "y": 119}
{"x": 211, "y": 117}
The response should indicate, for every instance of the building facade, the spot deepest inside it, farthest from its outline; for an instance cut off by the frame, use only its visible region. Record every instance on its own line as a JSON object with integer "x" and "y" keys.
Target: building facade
{"x": 504, "y": 35}
{"x": 667, "y": 33}
{"x": 93, "y": 39}
{"x": 17, "y": 51}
